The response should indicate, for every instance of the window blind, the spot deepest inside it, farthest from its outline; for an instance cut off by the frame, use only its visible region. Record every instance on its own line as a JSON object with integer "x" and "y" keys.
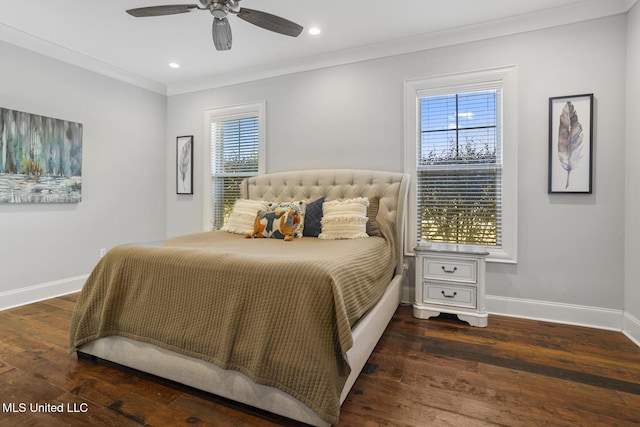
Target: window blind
{"x": 234, "y": 156}
{"x": 459, "y": 167}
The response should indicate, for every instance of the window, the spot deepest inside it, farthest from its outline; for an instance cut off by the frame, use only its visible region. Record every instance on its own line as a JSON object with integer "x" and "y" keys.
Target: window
{"x": 461, "y": 152}
{"x": 459, "y": 168}
{"x": 237, "y": 152}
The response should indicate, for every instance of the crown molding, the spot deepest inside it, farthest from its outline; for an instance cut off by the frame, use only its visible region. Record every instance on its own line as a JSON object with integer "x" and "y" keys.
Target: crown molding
{"x": 549, "y": 18}
{"x": 591, "y": 9}
{"x": 44, "y": 47}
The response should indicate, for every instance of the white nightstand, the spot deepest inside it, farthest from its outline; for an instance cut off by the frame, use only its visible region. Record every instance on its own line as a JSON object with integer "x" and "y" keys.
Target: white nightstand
{"x": 451, "y": 279}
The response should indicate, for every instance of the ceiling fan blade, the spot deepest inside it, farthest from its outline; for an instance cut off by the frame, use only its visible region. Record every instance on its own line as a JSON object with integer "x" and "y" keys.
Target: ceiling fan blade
{"x": 221, "y": 33}
{"x": 270, "y": 22}
{"x": 170, "y": 9}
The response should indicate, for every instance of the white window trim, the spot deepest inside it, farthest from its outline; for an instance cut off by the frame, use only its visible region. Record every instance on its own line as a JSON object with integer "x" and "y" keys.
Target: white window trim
{"x": 456, "y": 83}
{"x": 231, "y": 113}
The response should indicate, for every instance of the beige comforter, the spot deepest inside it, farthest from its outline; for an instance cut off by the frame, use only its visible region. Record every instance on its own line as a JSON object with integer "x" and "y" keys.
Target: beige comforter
{"x": 279, "y": 312}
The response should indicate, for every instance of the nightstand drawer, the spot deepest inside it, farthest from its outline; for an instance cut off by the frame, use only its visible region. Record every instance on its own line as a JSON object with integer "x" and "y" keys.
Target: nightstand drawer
{"x": 459, "y": 296}
{"x": 450, "y": 270}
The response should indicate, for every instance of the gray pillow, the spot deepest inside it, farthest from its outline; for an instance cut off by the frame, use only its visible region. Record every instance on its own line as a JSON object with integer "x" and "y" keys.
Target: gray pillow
{"x": 312, "y": 218}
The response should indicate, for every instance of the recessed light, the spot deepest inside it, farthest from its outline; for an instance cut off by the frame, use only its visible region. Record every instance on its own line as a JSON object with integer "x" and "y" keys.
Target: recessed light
{"x": 174, "y": 65}
{"x": 314, "y": 31}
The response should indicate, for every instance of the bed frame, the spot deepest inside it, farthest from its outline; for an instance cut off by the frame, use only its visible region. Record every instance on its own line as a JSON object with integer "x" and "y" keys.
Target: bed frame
{"x": 391, "y": 187}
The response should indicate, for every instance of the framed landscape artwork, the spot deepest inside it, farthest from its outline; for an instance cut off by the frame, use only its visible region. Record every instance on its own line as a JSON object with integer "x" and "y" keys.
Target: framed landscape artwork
{"x": 570, "y": 144}
{"x": 40, "y": 159}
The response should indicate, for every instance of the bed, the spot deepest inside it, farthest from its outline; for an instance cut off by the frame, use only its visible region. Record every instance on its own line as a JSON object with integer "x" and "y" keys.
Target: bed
{"x": 283, "y": 326}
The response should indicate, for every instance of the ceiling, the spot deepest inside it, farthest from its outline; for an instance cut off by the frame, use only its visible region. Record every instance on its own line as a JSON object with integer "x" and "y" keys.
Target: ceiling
{"x": 100, "y": 36}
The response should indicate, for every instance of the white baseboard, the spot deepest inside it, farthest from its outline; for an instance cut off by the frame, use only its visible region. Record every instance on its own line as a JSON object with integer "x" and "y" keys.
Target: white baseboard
{"x": 631, "y": 328}
{"x": 593, "y": 317}
{"x": 41, "y": 292}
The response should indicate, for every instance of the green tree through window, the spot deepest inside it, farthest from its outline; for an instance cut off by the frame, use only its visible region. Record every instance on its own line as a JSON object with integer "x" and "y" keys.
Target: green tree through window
{"x": 459, "y": 168}
{"x": 235, "y": 156}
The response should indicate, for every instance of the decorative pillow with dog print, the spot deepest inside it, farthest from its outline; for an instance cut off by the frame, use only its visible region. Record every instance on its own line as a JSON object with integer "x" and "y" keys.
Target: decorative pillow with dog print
{"x": 280, "y": 224}
{"x": 299, "y": 206}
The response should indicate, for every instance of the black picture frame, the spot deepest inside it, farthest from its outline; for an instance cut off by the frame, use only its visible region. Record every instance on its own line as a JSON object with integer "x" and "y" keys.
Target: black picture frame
{"x": 571, "y": 144}
{"x": 184, "y": 164}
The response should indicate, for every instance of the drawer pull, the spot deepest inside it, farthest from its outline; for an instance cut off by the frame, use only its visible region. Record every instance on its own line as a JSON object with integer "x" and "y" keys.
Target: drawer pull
{"x": 449, "y": 296}
{"x": 449, "y": 271}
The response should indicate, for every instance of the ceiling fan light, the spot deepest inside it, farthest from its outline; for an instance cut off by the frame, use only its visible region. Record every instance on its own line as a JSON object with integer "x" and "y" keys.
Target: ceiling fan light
{"x": 221, "y": 34}
{"x": 219, "y": 9}
{"x": 314, "y": 31}
{"x": 219, "y": 13}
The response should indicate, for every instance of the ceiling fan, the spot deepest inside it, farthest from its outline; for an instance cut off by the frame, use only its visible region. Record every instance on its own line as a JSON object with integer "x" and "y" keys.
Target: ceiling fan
{"x": 220, "y": 9}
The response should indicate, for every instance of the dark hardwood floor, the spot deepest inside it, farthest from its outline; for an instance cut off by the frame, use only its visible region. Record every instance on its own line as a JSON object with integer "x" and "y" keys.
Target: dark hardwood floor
{"x": 438, "y": 372}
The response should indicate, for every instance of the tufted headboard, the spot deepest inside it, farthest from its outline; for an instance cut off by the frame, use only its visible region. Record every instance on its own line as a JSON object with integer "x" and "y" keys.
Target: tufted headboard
{"x": 391, "y": 187}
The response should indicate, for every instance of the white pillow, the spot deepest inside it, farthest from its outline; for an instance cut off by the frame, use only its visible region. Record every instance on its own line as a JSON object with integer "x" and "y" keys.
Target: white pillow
{"x": 243, "y": 216}
{"x": 344, "y": 219}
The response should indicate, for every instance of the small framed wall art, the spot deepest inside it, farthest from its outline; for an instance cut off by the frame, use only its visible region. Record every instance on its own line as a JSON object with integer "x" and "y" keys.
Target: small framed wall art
{"x": 184, "y": 164}
{"x": 570, "y": 143}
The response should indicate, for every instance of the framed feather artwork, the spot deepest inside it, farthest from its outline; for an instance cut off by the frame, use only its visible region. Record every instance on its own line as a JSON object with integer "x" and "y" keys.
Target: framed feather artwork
{"x": 184, "y": 165}
{"x": 570, "y": 144}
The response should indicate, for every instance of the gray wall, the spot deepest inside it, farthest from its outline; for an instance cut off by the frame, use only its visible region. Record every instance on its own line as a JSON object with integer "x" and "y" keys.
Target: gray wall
{"x": 571, "y": 251}
{"x": 48, "y": 249}
{"x": 571, "y": 247}
{"x": 632, "y": 270}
